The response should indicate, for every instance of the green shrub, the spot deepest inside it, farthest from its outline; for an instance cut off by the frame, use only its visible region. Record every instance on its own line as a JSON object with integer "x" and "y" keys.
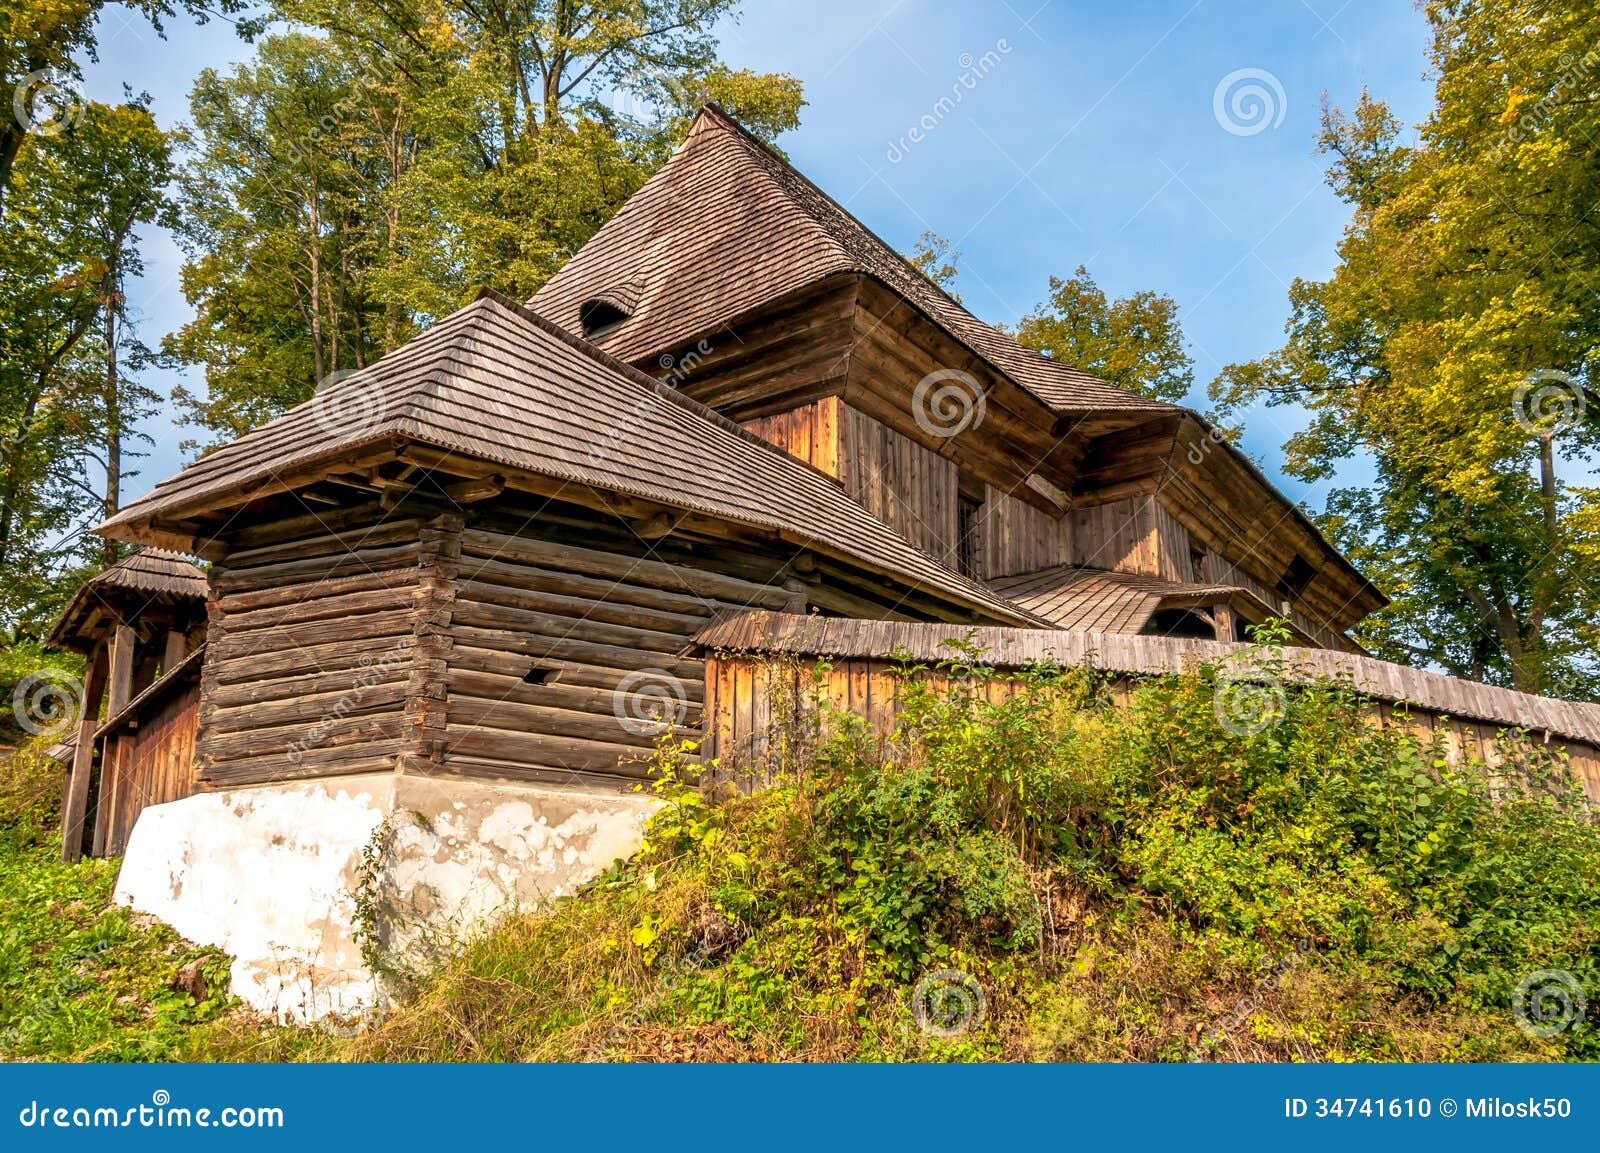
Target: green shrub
{"x": 1041, "y": 875}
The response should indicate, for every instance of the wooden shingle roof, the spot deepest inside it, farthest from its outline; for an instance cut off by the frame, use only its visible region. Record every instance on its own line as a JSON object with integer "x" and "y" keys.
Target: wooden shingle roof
{"x": 761, "y": 632}
{"x": 496, "y": 383}
{"x": 1099, "y": 601}
{"x": 727, "y": 226}
{"x": 148, "y": 576}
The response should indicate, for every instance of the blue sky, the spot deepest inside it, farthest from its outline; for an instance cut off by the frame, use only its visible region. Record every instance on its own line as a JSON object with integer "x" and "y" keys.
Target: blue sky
{"x": 1092, "y": 136}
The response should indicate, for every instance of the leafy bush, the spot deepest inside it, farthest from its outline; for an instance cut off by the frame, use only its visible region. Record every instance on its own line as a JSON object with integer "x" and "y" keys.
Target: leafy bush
{"x": 1080, "y": 881}
{"x": 23, "y": 661}
{"x": 1032, "y": 875}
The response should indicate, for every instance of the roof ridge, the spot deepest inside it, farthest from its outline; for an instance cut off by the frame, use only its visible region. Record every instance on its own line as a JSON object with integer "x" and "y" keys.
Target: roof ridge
{"x": 713, "y": 112}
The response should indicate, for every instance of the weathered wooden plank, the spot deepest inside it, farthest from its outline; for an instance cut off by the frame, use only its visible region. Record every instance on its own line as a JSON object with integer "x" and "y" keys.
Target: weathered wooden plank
{"x": 508, "y": 746}
{"x": 592, "y": 562}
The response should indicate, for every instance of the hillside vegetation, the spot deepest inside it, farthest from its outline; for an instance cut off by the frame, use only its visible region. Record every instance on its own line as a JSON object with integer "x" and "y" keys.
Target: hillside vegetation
{"x": 1048, "y": 878}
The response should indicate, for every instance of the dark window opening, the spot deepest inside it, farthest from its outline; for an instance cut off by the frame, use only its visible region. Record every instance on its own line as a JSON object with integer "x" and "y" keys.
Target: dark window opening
{"x": 599, "y": 316}
{"x": 541, "y": 674}
{"x": 1181, "y": 623}
{"x": 970, "y": 528}
{"x": 1296, "y": 577}
{"x": 1197, "y": 564}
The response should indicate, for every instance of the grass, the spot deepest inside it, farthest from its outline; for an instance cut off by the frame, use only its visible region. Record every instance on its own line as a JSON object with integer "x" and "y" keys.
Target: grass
{"x": 80, "y": 978}
{"x": 1047, "y": 878}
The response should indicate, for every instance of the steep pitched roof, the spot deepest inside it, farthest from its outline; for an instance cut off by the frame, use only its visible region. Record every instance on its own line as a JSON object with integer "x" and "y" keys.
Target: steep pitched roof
{"x": 727, "y": 225}
{"x": 497, "y": 383}
{"x": 148, "y": 575}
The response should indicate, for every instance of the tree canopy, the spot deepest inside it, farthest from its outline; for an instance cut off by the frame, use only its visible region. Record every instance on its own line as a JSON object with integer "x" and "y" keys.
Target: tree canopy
{"x": 372, "y": 165}
{"x": 1135, "y": 342}
{"x": 1455, "y": 347}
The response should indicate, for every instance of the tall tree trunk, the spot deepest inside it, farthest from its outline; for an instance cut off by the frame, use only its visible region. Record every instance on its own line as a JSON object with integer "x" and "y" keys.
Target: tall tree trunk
{"x": 113, "y": 403}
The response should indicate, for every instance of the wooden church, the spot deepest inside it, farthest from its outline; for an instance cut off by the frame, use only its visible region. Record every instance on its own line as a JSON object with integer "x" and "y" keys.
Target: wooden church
{"x": 486, "y": 566}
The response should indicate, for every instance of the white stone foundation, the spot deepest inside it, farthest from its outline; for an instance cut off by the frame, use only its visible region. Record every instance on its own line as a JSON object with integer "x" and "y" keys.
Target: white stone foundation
{"x": 270, "y": 873}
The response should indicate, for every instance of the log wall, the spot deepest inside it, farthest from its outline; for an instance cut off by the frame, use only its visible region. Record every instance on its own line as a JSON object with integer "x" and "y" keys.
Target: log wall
{"x": 564, "y": 660}
{"x": 311, "y": 642}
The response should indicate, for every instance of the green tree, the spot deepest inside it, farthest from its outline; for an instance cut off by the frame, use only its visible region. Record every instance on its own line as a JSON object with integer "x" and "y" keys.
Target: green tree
{"x": 936, "y": 258}
{"x": 352, "y": 184}
{"x": 1135, "y": 342}
{"x": 41, "y": 42}
{"x": 1455, "y": 346}
{"x": 70, "y": 398}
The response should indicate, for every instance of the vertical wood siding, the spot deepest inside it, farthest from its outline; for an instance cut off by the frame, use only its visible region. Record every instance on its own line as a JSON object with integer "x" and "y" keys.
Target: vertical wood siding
{"x": 751, "y": 701}
{"x": 148, "y": 765}
{"x": 1135, "y": 535}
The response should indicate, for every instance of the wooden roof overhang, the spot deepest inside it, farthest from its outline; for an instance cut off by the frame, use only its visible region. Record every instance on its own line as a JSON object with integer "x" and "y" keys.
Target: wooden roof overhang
{"x": 1080, "y": 598}
{"x": 1227, "y": 506}
{"x": 149, "y": 588}
{"x": 449, "y": 427}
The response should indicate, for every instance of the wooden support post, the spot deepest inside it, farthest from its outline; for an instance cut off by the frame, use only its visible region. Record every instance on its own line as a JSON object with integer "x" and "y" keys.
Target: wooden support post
{"x": 123, "y": 640}
{"x": 177, "y": 646}
{"x": 75, "y": 804}
{"x": 1223, "y": 614}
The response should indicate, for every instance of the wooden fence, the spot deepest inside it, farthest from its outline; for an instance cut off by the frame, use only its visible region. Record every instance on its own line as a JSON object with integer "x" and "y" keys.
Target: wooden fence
{"x": 762, "y": 666}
